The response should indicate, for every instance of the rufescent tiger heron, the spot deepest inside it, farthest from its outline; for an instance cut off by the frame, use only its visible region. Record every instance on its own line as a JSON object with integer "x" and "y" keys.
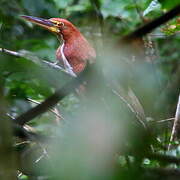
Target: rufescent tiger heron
{"x": 75, "y": 50}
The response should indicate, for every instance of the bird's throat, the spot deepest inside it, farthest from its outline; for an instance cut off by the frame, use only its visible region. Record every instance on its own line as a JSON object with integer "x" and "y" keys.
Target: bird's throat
{"x": 66, "y": 64}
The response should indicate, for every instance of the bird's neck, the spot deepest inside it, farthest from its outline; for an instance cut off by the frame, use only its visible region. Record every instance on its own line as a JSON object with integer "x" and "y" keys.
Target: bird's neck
{"x": 75, "y": 44}
{"x": 71, "y": 38}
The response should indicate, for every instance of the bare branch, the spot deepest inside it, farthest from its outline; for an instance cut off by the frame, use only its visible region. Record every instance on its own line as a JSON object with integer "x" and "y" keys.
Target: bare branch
{"x": 131, "y": 107}
{"x": 166, "y": 173}
{"x": 29, "y": 55}
{"x": 13, "y": 53}
{"x": 162, "y": 121}
{"x": 164, "y": 158}
{"x": 176, "y": 126}
{"x": 52, "y": 100}
{"x": 21, "y": 132}
{"x": 54, "y": 111}
{"x": 147, "y": 28}
{"x": 59, "y": 117}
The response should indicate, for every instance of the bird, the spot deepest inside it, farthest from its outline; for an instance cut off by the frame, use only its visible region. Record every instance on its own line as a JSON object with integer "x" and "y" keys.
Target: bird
{"x": 75, "y": 51}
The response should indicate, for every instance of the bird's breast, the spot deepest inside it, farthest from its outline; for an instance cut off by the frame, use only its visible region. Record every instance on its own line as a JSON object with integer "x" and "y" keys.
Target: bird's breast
{"x": 76, "y": 51}
{"x": 67, "y": 55}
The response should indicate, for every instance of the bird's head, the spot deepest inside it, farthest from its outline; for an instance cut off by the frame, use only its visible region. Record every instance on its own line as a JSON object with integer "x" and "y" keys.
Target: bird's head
{"x": 59, "y": 26}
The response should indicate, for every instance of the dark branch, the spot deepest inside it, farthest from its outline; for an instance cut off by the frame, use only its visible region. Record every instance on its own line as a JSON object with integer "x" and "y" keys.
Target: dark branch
{"x": 166, "y": 173}
{"x": 22, "y": 133}
{"x": 164, "y": 158}
{"x": 52, "y": 100}
{"x": 147, "y": 28}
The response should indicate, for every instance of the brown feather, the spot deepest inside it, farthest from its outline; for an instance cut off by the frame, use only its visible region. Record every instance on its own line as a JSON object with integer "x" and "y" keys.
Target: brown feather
{"x": 77, "y": 49}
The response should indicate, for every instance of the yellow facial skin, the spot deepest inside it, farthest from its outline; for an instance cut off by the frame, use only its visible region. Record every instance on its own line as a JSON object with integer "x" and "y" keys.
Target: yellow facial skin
{"x": 54, "y": 29}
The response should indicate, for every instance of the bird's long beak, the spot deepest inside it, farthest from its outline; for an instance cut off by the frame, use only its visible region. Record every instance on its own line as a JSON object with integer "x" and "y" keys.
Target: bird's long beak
{"x": 45, "y": 23}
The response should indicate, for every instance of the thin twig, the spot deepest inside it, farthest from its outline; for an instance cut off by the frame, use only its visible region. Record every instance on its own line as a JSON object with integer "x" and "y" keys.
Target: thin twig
{"x": 130, "y": 107}
{"x": 52, "y": 100}
{"x": 167, "y": 173}
{"x": 162, "y": 121}
{"x": 58, "y": 119}
{"x": 176, "y": 126}
{"x": 57, "y": 67}
{"x": 13, "y": 53}
{"x": 52, "y": 110}
{"x": 29, "y": 55}
{"x": 21, "y": 132}
{"x": 165, "y": 120}
{"x": 163, "y": 158}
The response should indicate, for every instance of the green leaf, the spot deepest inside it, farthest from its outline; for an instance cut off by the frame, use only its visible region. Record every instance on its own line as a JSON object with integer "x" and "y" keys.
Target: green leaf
{"x": 33, "y": 7}
{"x": 78, "y": 7}
{"x": 168, "y": 4}
{"x": 172, "y": 28}
{"x": 62, "y": 4}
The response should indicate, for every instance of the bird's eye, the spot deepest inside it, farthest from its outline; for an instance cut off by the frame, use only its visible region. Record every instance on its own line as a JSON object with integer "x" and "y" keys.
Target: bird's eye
{"x": 59, "y": 24}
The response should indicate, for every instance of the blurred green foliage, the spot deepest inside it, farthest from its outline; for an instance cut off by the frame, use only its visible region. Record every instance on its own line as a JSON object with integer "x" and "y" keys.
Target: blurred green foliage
{"x": 22, "y": 79}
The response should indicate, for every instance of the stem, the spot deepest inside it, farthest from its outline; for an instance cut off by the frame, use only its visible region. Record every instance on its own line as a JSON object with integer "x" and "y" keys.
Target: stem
{"x": 176, "y": 126}
{"x": 28, "y": 55}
